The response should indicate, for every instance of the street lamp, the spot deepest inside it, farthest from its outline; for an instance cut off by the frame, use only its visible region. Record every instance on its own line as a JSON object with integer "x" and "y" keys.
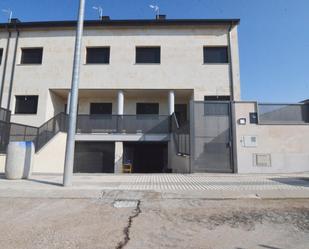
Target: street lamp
{"x": 100, "y": 11}
{"x": 70, "y": 142}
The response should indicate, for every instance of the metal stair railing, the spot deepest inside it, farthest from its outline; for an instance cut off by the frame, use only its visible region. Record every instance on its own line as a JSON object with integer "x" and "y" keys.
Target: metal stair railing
{"x": 181, "y": 136}
{"x": 38, "y": 135}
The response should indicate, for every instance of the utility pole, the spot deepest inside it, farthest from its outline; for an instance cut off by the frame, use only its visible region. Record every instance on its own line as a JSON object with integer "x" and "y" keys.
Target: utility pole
{"x": 70, "y": 144}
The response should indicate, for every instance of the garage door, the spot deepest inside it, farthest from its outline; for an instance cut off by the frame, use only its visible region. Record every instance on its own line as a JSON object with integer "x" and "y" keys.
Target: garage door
{"x": 94, "y": 157}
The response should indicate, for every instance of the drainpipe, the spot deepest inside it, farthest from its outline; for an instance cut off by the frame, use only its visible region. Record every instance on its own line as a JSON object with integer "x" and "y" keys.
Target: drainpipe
{"x": 13, "y": 68}
{"x": 230, "y": 62}
{"x": 5, "y": 65}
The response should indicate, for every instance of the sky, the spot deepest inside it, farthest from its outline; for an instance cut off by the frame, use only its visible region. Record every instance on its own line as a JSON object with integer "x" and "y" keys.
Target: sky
{"x": 273, "y": 35}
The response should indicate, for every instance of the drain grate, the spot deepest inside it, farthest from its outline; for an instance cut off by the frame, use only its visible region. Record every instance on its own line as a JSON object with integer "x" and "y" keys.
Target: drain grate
{"x": 125, "y": 204}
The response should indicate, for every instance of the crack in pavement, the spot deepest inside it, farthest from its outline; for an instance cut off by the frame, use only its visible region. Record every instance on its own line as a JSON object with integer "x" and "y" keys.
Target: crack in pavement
{"x": 126, "y": 230}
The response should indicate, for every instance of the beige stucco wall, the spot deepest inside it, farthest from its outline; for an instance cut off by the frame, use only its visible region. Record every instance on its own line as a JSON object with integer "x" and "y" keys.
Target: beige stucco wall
{"x": 181, "y": 63}
{"x": 287, "y": 144}
{"x": 178, "y": 164}
{"x": 50, "y": 159}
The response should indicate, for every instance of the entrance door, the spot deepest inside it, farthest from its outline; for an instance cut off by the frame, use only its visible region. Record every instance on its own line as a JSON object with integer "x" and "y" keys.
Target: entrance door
{"x": 94, "y": 157}
{"x": 212, "y": 144}
{"x": 146, "y": 157}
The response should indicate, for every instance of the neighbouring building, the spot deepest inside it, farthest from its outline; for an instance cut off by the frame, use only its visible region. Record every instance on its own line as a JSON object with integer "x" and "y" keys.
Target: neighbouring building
{"x": 162, "y": 95}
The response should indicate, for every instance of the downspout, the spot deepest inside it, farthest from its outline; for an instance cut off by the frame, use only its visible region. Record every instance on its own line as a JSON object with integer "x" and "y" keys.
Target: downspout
{"x": 233, "y": 121}
{"x": 230, "y": 61}
{"x": 13, "y": 69}
{"x": 4, "y": 65}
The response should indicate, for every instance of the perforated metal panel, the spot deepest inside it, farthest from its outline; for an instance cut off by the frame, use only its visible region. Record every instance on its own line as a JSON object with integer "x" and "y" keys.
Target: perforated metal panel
{"x": 212, "y": 137}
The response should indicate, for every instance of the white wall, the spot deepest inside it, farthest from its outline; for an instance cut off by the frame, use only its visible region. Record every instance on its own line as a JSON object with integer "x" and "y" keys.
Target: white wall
{"x": 287, "y": 144}
{"x": 50, "y": 159}
{"x": 2, "y": 163}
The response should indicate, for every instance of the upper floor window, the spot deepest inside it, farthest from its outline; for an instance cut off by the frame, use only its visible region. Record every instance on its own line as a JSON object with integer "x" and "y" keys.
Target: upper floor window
{"x": 147, "y": 108}
{"x": 26, "y": 104}
{"x": 216, "y": 55}
{"x": 31, "y": 56}
{"x": 148, "y": 55}
{"x": 1, "y": 53}
{"x": 98, "y": 55}
{"x": 101, "y": 108}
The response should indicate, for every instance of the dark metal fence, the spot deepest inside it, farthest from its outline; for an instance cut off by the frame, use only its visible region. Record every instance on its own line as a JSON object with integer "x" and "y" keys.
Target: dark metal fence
{"x": 4, "y": 136}
{"x": 181, "y": 136}
{"x": 283, "y": 113}
{"x": 49, "y": 129}
{"x": 5, "y": 115}
{"x": 151, "y": 124}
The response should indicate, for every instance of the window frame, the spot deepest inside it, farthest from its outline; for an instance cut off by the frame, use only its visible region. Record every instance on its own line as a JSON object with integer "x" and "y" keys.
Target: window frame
{"x": 27, "y": 113}
{"x": 30, "y": 48}
{"x": 1, "y": 55}
{"x": 216, "y": 63}
{"x": 147, "y": 47}
{"x": 110, "y": 105}
{"x": 148, "y": 103}
{"x": 98, "y": 63}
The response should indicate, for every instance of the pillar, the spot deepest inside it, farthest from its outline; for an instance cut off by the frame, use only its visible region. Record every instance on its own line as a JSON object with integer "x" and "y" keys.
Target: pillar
{"x": 171, "y": 102}
{"x": 120, "y": 102}
{"x": 118, "y": 157}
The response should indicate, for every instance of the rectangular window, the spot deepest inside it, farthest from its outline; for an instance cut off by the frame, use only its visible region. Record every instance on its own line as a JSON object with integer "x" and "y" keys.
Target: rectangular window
{"x": 1, "y": 53}
{"x": 147, "y": 108}
{"x": 98, "y": 55}
{"x": 148, "y": 55}
{"x": 215, "y": 55}
{"x": 101, "y": 108}
{"x": 217, "y": 98}
{"x": 31, "y": 55}
{"x": 26, "y": 104}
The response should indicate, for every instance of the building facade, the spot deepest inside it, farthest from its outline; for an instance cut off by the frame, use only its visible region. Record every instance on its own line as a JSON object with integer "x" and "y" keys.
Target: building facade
{"x": 134, "y": 72}
{"x": 155, "y": 96}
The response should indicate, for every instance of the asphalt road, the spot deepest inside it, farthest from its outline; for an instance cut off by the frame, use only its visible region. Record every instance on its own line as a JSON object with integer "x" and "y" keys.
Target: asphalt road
{"x": 153, "y": 222}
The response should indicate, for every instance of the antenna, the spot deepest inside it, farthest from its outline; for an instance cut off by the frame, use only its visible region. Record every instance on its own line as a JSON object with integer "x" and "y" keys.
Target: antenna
{"x": 9, "y": 12}
{"x": 156, "y": 8}
{"x": 100, "y": 11}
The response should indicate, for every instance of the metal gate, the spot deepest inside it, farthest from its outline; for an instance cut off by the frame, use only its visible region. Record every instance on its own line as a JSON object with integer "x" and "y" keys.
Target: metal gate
{"x": 211, "y": 137}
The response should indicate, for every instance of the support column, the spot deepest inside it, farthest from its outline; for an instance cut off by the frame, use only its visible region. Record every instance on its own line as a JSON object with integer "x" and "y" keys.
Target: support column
{"x": 120, "y": 102}
{"x": 171, "y": 102}
{"x": 118, "y": 157}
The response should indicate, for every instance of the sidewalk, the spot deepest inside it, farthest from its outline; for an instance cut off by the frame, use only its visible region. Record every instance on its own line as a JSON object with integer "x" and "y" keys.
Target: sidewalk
{"x": 137, "y": 186}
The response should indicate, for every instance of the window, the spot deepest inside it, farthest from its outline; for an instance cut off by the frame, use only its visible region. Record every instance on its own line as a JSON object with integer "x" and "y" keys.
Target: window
{"x": 26, "y": 104}
{"x": 215, "y": 55}
{"x": 101, "y": 108}
{"x": 217, "y": 98}
{"x": 31, "y": 56}
{"x": 148, "y": 55}
{"x": 147, "y": 108}
{"x": 1, "y": 53}
{"x": 98, "y": 55}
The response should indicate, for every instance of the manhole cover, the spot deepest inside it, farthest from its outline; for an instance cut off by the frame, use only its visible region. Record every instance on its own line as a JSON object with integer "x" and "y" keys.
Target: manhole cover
{"x": 125, "y": 204}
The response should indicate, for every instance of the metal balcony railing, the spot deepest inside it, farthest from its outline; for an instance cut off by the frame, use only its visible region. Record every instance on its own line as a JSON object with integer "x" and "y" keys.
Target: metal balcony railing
{"x": 127, "y": 124}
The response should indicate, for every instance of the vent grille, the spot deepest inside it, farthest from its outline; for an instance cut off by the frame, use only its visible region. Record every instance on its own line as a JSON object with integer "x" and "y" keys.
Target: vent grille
{"x": 262, "y": 160}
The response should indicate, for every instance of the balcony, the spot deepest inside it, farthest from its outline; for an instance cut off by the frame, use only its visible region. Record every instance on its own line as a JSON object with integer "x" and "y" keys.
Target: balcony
{"x": 123, "y": 124}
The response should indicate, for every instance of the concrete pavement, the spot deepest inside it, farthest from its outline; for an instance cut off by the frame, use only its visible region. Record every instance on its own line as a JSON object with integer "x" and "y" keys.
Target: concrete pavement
{"x": 211, "y": 186}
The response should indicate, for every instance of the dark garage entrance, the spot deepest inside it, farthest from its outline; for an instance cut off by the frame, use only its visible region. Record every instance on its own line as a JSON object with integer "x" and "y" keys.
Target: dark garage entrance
{"x": 146, "y": 157}
{"x": 94, "y": 157}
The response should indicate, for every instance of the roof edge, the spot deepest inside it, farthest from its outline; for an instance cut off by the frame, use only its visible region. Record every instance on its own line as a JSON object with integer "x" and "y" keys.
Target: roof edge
{"x": 107, "y": 23}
